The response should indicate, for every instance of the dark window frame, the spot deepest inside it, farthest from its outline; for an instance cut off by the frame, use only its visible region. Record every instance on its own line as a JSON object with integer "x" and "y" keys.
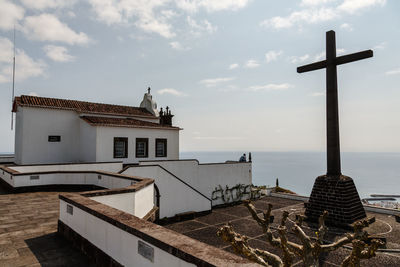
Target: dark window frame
{"x": 161, "y": 140}
{"x": 125, "y": 140}
{"x": 146, "y": 140}
{"x": 54, "y": 138}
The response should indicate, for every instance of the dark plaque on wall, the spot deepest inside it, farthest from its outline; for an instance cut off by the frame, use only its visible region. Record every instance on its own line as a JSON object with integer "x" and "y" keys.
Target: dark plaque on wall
{"x": 146, "y": 250}
{"x": 54, "y": 138}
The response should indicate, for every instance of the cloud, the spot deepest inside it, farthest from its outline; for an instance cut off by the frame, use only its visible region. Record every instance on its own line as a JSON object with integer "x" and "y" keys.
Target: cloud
{"x": 197, "y": 28}
{"x": 26, "y": 67}
{"x": 310, "y": 16}
{"x": 347, "y": 27}
{"x": 393, "y": 72}
{"x": 216, "y": 81}
{"x": 270, "y": 87}
{"x": 299, "y": 59}
{"x": 380, "y": 46}
{"x": 33, "y": 94}
{"x": 47, "y": 27}
{"x": 178, "y": 46}
{"x": 10, "y": 14}
{"x": 44, "y": 4}
{"x": 142, "y": 13}
{"x": 352, "y": 6}
{"x": 251, "y": 64}
{"x": 151, "y": 25}
{"x": 233, "y": 66}
{"x": 71, "y": 14}
{"x": 107, "y": 11}
{"x": 194, "y": 6}
{"x": 272, "y": 55}
{"x": 171, "y": 91}
{"x": 315, "y": 2}
{"x": 322, "y": 55}
{"x": 318, "y": 94}
{"x": 58, "y": 53}
{"x": 317, "y": 11}
{"x": 154, "y": 16}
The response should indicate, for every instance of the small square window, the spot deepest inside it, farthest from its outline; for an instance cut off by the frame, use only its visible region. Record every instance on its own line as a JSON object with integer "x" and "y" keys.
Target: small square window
{"x": 70, "y": 209}
{"x": 161, "y": 147}
{"x": 142, "y": 147}
{"x": 54, "y": 138}
{"x": 120, "y": 147}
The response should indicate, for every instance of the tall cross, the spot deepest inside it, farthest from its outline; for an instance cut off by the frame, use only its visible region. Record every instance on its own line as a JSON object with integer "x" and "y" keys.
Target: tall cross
{"x": 332, "y": 115}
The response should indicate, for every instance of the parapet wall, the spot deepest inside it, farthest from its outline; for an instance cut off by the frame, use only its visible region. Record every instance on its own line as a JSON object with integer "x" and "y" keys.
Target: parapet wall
{"x": 208, "y": 177}
{"x": 122, "y": 239}
{"x": 95, "y": 166}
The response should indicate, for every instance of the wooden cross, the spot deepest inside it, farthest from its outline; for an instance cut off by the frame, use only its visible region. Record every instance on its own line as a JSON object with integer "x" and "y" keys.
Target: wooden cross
{"x": 332, "y": 116}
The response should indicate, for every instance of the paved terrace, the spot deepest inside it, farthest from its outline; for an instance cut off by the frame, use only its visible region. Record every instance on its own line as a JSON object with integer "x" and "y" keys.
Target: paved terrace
{"x": 28, "y": 231}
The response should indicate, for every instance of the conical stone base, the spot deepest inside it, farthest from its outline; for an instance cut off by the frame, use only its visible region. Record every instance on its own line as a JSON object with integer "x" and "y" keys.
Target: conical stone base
{"x": 337, "y": 195}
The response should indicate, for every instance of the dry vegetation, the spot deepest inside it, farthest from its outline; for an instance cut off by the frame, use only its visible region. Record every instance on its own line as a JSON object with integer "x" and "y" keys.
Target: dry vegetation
{"x": 309, "y": 249}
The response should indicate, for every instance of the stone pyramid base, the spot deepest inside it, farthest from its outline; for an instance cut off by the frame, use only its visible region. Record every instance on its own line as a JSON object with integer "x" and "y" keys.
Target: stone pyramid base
{"x": 338, "y": 195}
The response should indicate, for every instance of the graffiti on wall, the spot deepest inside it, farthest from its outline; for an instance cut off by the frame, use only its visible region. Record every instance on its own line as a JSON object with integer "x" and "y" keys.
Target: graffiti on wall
{"x": 236, "y": 193}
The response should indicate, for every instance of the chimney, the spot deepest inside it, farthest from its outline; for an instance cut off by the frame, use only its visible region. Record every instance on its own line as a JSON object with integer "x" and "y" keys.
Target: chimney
{"x": 166, "y": 116}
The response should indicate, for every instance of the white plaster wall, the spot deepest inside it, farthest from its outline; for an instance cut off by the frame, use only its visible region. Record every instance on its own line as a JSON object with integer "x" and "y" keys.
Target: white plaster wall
{"x": 176, "y": 197}
{"x": 124, "y": 202}
{"x": 206, "y": 177}
{"x": 32, "y": 146}
{"x": 8, "y": 158}
{"x": 105, "y": 181}
{"x": 87, "y": 142}
{"x": 210, "y": 176}
{"x": 105, "y": 143}
{"x": 137, "y": 203}
{"x": 118, "y": 244}
{"x": 8, "y": 178}
{"x": 19, "y": 122}
{"x": 106, "y": 166}
{"x": 144, "y": 201}
{"x": 51, "y": 178}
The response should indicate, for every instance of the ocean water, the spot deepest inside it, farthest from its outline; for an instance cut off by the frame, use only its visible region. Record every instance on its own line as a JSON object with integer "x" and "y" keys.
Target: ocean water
{"x": 373, "y": 173}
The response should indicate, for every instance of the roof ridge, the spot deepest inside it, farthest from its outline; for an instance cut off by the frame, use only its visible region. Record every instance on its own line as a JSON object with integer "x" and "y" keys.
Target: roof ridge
{"x": 80, "y": 106}
{"x": 124, "y": 122}
{"x": 82, "y": 101}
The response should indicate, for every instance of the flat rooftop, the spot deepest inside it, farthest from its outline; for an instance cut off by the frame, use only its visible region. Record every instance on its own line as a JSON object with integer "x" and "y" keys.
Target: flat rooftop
{"x": 28, "y": 231}
{"x": 204, "y": 229}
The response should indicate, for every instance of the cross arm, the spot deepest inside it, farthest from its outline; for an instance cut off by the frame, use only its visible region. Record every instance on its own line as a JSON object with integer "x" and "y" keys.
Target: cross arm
{"x": 313, "y": 66}
{"x": 354, "y": 57}
{"x": 338, "y": 61}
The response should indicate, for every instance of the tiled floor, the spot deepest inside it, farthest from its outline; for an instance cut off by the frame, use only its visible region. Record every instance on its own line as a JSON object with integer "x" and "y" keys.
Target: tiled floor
{"x": 28, "y": 232}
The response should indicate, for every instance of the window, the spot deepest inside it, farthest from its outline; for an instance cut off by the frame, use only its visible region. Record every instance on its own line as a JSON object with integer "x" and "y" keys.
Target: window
{"x": 142, "y": 147}
{"x": 161, "y": 147}
{"x": 120, "y": 147}
{"x": 54, "y": 138}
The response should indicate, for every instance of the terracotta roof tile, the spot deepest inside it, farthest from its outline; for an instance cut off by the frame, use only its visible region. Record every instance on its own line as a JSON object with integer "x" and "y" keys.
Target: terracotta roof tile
{"x": 79, "y": 106}
{"x": 124, "y": 122}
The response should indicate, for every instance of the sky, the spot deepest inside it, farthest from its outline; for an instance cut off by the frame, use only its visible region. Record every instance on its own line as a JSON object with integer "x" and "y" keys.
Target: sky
{"x": 226, "y": 68}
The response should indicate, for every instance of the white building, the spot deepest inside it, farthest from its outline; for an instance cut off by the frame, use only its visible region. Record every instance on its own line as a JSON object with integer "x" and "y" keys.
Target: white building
{"x": 61, "y": 142}
{"x": 70, "y": 142}
{"x": 50, "y": 130}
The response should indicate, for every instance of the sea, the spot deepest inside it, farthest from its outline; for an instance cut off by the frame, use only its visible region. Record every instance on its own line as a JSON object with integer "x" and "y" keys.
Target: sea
{"x": 373, "y": 173}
